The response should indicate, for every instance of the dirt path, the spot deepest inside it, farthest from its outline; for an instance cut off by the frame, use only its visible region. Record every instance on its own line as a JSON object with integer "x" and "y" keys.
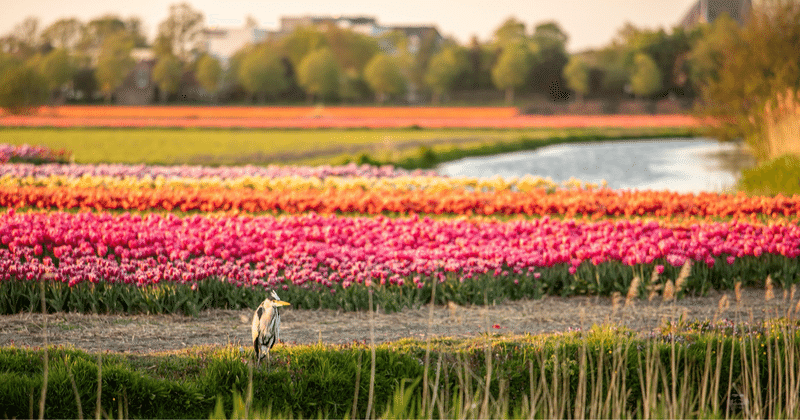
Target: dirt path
{"x": 147, "y": 333}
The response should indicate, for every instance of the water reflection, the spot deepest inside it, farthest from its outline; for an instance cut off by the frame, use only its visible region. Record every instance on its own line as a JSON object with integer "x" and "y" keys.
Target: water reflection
{"x": 683, "y": 165}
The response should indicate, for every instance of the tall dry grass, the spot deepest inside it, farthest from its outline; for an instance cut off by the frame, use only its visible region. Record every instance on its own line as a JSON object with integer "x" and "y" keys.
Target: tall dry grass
{"x": 781, "y": 129}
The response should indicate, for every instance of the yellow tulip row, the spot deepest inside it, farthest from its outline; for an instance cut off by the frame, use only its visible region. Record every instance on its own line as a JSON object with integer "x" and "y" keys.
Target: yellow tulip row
{"x": 429, "y": 183}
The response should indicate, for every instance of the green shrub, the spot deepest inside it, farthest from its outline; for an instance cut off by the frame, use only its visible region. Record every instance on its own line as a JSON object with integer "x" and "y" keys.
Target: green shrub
{"x": 778, "y": 176}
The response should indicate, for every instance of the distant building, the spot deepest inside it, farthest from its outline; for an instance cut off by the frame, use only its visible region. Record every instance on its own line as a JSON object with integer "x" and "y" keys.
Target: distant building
{"x": 706, "y": 11}
{"x": 365, "y": 25}
{"x": 223, "y": 43}
{"x": 138, "y": 88}
{"x": 416, "y": 35}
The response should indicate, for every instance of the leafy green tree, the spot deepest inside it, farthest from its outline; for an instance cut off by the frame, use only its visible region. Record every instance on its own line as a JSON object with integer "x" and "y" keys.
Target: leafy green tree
{"x": 549, "y": 47}
{"x": 512, "y": 31}
{"x": 63, "y": 33}
{"x": 511, "y": 69}
{"x": 383, "y": 76}
{"x": 56, "y": 69}
{"x": 646, "y": 77}
{"x": 85, "y": 83}
{"x": 576, "y": 73}
{"x": 667, "y": 50}
{"x": 479, "y": 72}
{"x": 27, "y": 32}
{"x": 114, "y": 63}
{"x": 304, "y": 40}
{"x": 262, "y": 73}
{"x": 167, "y": 75}
{"x": 8, "y": 62}
{"x": 209, "y": 74}
{"x": 22, "y": 88}
{"x": 182, "y": 26}
{"x": 443, "y": 71}
{"x": 23, "y": 39}
{"x": 97, "y": 30}
{"x": 318, "y": 74}
{"x": 352, "y": 50}
{"x": 708, "y": 52}
{"x": 760, "y": 64}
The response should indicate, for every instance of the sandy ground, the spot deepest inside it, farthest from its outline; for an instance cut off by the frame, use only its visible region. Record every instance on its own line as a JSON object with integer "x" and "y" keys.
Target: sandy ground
{"x": 148, "y": 333}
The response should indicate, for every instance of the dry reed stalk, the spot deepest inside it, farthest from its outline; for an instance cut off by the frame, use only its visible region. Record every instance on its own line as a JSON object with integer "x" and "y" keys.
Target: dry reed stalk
{"x": 782, "y": 124}
{"x": 580, "y": 392}
{"x": 737, "y": 292}
{"x": 669, "y": 292}
{"x": 769, "y": 293}
{"x": 484, "y": 413}
{"x": 633, "y": 290}
{"x": 654, "y": 289}
{"x": 74, "y": 389}
{"x": 683, "y": 276}
{"x": 434, "y": 399}
{"x": 249, "y": 397}
{"x": 616, "y": 298}
{"x": 372, "y": 351}
{"x": 454, "y": 311}
{"x": 723, "y": 304}
{"x": 46, "y": 362}
{"x": 428, "y": 351}
{"x": 358, "y": 383}
{"x": 98, "y": 412}
{"x": 654, "y": 276}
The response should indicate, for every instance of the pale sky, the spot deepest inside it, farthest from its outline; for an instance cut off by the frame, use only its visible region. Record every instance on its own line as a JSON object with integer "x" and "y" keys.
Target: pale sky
{"x": 589, "y": 23}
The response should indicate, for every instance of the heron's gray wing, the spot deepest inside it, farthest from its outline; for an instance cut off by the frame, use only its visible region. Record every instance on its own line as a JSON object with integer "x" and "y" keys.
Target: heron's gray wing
{"x": 256, "y": 325}
{"x": 266, "y": 323}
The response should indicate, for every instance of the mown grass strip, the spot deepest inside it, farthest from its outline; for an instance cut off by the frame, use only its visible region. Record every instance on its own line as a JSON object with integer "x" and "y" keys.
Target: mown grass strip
{"x": 404, "y": 147}
{"x": 740, "y": 370}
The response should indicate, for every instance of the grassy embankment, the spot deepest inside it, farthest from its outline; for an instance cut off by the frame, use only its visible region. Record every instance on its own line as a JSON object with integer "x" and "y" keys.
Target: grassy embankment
{"x": 685, "y": 370}
{"x": 409, "y": 148}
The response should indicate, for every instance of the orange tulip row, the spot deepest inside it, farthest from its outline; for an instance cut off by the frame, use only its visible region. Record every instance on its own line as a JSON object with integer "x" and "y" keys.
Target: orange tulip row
{"x": 568, "y": 202}
{"x": 275, "y": 112}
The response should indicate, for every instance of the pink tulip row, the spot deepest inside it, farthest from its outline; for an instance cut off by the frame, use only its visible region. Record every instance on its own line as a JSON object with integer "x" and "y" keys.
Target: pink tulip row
{"x": 185, "y": 171}
{"x": 28, "y": 153}
{"x": 331, "y": 250}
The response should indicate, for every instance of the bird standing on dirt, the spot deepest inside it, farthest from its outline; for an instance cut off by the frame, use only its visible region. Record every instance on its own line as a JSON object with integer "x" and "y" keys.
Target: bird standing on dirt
{"x": 266, "y": 325}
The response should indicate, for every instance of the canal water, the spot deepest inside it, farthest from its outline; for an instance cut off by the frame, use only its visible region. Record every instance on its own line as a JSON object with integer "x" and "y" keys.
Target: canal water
{"x": 675, "y": 164}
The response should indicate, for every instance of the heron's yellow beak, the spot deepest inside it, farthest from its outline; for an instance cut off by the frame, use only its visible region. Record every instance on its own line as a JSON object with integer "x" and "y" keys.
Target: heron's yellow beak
{"x": 281, "y": 303}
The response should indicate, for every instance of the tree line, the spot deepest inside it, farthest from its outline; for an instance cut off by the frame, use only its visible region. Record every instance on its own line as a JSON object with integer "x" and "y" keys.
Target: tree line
{"x": 336, "y": 65}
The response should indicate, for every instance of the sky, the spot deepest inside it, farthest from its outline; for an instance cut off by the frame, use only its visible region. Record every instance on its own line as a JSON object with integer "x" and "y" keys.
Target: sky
{"x": 588, "y": 23}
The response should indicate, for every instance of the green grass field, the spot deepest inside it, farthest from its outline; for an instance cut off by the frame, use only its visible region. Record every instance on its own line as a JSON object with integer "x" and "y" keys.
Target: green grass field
{"x": 313, "y": 146}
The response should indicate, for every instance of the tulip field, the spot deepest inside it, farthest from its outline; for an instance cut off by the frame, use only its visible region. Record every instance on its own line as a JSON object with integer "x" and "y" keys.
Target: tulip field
{"x": 119, "y": 239}
{"x": 326, "y": 117}
{"x": 325, "y": 235}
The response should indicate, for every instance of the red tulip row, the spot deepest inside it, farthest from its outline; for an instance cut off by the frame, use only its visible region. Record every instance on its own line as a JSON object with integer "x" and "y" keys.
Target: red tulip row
{"x": 342, "y": 251}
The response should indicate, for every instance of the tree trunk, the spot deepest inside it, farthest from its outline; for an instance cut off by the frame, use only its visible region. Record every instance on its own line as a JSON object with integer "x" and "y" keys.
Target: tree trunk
{"x": 510, "y": 96}
{"x": 437, "y": 98}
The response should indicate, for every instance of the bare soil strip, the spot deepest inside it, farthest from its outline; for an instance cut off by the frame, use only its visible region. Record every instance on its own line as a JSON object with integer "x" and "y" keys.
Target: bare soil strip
{"x": 154, "y": 333}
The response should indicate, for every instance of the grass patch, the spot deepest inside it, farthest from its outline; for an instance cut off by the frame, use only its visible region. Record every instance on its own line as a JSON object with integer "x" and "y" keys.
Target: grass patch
{"x": 313, "y": 146}
{"x": 778, "y": 176}
{"x": 684, "y": 370}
